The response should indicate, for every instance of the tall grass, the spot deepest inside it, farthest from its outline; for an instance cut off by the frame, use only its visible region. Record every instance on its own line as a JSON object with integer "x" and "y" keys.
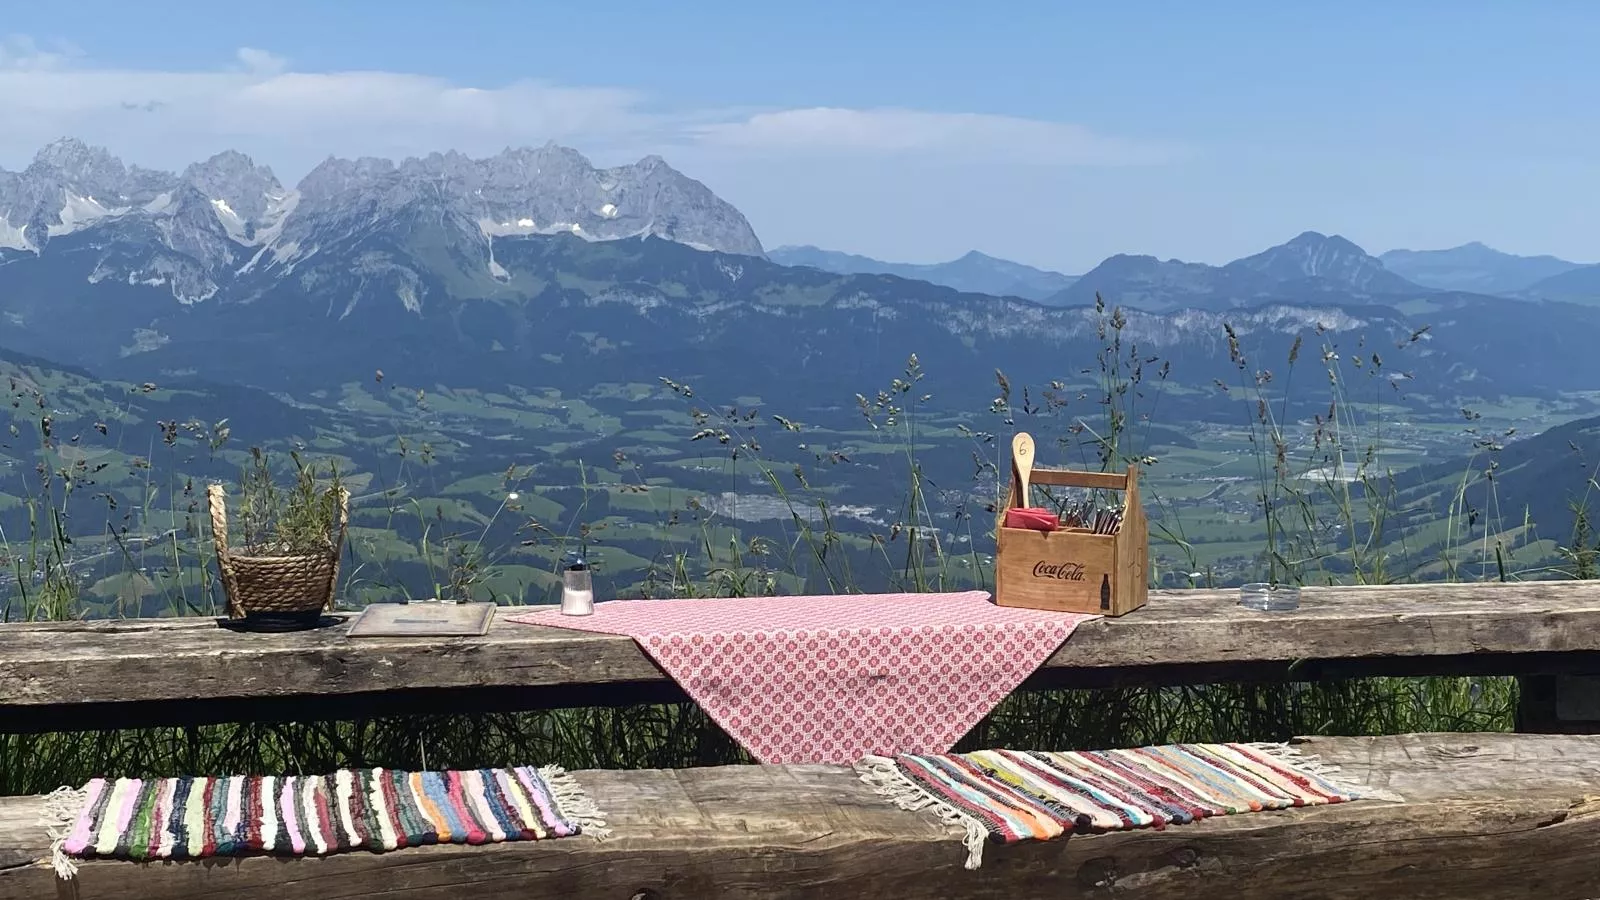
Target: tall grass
{"x": 1325, "y": 501}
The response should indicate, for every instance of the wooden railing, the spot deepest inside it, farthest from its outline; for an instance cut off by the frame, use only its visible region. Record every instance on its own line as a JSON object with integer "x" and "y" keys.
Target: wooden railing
{"x": 128, "y": 673}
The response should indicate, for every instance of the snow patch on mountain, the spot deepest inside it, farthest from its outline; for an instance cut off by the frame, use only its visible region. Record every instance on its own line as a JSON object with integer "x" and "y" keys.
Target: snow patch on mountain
{"x": 12, "y": 237}
{"x": 79, "y": 212}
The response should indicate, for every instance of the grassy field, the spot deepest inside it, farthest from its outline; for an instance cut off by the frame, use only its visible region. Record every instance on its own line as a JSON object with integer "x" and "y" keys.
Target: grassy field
{"x": 641, "y": 474}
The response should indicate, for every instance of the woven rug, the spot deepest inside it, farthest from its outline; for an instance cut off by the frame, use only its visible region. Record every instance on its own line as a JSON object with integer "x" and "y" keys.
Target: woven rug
{"x": 831, "y": 679}
{"x": 299, "y": 815}
{"x": 1006, "y": 796}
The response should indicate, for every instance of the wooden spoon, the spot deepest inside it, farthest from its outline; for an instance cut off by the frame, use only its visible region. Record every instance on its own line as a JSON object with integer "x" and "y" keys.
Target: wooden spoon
{"x": 1022, "y": 458}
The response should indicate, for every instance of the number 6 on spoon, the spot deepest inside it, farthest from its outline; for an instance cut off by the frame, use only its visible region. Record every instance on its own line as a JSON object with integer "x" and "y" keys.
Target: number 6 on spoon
{"x": 1022, "y": 458}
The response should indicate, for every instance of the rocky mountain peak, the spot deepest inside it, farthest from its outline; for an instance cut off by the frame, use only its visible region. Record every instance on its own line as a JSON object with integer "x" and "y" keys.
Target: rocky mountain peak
{"x": 515, "y": 172}
{"x": 553, "y": 152}
{"x": 67, "y": 186}
{"x": 550, "y": 189}
{"x": 72, "y": 160}
{"x": 99, "y": 181}
{"x": 230, "y": 165}
{"x": 334, "y": 176}
{"x": 236, "y": 185}
{"x": 228, "y": 217}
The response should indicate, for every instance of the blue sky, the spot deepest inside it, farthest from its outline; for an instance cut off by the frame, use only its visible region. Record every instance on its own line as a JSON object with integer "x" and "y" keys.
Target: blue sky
{"x": 1055, "y": 133}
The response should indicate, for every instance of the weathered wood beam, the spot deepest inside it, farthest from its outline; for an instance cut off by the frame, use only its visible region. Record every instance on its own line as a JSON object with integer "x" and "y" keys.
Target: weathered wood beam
{"x": 33, "y": 719}
{"x": 1487, "y": 816}
{"x": 134, "y": 671}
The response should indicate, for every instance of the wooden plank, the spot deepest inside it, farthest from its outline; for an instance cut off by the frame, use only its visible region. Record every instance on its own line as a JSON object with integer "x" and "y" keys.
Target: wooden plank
{"x": 1487, "y": 816}
{"x": 1110, "y": 481}
{"x": 1194, "y": 635}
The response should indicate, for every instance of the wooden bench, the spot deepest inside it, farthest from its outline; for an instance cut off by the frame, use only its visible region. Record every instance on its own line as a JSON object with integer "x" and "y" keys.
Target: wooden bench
{"x": 1487, "y": 816}
{"x": 147, "y": 672}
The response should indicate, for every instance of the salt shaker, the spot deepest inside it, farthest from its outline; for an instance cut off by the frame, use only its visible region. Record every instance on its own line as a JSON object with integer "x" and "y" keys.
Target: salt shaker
{"x": 577, "y": 590}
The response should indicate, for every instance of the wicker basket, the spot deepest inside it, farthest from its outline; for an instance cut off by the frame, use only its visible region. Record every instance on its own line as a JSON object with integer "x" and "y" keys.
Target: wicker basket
{"x": 299, "y": 586}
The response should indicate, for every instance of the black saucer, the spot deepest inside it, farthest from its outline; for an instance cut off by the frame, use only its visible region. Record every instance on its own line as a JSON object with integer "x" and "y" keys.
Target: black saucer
{"x": 279, "y": 623}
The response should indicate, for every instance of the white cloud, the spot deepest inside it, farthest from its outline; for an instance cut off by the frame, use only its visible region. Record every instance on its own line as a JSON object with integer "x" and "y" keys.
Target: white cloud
{"x": 20, "y": 51}
{"x": 292, "y": 119}
{"x": 962, "y": 136}
{"x": 261, "y": 61}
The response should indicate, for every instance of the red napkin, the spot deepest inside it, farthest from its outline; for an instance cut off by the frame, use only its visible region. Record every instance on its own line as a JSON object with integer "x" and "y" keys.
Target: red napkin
{"x": 1034, "y": 517}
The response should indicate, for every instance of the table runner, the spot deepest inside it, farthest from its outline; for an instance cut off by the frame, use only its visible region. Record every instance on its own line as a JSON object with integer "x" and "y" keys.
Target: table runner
{"x": 831, "y": 679}
{"x": 1006, "y": 796}
{"x": 298, "y": 815}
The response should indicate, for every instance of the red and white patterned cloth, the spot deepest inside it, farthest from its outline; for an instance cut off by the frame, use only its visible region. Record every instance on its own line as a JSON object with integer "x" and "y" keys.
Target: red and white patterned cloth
{"x": 833, "y": 679}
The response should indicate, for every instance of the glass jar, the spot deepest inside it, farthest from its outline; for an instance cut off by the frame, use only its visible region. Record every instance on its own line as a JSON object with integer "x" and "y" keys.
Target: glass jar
{"x": 577, "y": 591}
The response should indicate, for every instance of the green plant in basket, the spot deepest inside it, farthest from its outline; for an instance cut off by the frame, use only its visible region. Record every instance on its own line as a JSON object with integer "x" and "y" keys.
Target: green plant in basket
{"x": 285, "y": 572}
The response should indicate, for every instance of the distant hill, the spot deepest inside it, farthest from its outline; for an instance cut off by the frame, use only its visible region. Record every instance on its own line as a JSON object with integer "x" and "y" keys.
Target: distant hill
{"x": 1580, "y": 285}
{"x": 975, "y": 272}
{"x": 1537, "y": 478}
{"x": 1311, "y": 267}
{"x": 1330, "y": 258}
{"x": 1159, "y": 285}
{"x": 1475, "y": 267}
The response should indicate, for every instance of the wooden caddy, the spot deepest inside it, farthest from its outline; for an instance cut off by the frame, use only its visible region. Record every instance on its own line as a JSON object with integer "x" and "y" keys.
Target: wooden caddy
{"x": 1074, "y": 569}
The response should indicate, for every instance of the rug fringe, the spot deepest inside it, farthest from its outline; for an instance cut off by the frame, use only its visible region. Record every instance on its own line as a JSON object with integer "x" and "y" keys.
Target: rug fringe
{"x": 1328, "y": 772}
{"x": 61, "y": 810}
{"x": 574, "y": 802}
{"x": 888, "y": 781}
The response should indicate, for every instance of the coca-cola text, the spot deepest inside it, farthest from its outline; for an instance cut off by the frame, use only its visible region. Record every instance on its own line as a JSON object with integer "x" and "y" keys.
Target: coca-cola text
{"x": 1066, "y": 571}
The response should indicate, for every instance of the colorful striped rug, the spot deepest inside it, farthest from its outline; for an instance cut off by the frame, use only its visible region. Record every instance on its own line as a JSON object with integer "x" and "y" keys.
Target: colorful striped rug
{"x": 352, "y": 809}
{"x": 1006, "y": 796}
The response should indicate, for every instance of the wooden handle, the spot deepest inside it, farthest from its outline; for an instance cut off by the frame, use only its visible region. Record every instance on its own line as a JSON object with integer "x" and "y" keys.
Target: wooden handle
{"x": 338, "y": 547}
{"x": 1109, "y": 481}
{"x": 1022, "y": 459}
{"x": 219, "y": 539}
